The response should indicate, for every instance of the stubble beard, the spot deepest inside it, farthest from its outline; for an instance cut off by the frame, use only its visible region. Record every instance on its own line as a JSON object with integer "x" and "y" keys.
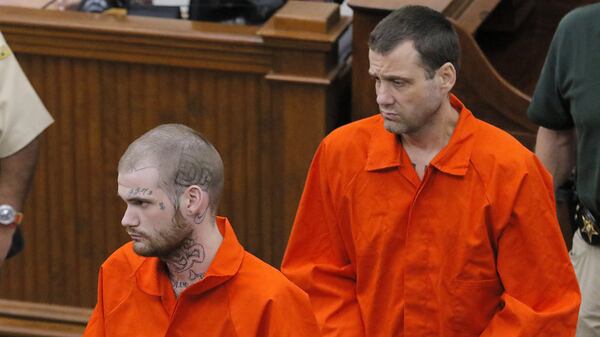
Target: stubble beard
{"x": 396, "y": 127}
{"x": 407, "y": 126}
{"x": 163, "y": 243}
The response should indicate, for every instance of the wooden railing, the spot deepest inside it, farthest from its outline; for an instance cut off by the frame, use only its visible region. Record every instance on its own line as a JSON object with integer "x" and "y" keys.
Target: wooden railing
{"x": 27, "y": 319}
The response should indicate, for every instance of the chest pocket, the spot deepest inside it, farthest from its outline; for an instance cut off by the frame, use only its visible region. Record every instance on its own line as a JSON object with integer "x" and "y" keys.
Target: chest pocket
{"x": 472, "y": 305}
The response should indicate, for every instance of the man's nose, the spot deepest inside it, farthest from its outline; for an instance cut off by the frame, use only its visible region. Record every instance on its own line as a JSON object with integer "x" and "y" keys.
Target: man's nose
{"x": 383, "y": 94}
{"x": 130, "y": 218}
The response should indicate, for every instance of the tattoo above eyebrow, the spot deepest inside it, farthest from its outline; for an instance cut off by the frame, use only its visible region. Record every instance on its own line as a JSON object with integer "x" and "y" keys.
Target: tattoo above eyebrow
{"x": 139, "y": 191}
{"x": 161, "y": 205}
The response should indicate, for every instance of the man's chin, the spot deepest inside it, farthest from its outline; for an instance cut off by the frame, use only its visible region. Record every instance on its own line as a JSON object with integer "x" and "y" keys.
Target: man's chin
{"x": 142, "y": 249}
{"x": 394, "y": 127}
{"x": 145, "y": 250}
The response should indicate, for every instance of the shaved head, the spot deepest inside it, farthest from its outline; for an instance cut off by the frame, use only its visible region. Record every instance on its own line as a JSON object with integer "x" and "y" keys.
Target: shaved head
{"x": 183, "y": 158}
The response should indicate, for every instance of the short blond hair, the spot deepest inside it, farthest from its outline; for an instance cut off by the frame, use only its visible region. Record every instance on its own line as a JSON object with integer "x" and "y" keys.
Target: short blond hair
{"x": 183, "y": 158}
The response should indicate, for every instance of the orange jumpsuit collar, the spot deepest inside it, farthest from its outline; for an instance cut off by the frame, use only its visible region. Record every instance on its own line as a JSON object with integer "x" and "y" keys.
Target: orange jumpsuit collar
{"x": 152, "y": 279}
{"x": 385, "y": 151}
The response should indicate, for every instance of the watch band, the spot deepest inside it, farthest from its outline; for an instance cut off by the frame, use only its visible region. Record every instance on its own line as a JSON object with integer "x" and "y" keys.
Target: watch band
{"x": 18, "y": 218}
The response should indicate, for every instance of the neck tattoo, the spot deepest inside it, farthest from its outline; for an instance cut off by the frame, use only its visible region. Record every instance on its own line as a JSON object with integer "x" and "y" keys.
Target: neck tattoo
{"x": 186, "y": 257}
{"x": 184, "y": 262}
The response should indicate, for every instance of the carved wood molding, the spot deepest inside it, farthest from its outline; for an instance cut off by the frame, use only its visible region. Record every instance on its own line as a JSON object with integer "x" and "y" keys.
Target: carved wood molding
{"x": 468, "y": 13}
{"x": 135, "y": 39}
{"x": 491, "y": 87}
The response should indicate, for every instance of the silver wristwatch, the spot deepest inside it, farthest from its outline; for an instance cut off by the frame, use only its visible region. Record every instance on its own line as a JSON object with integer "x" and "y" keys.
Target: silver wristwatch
{"x": 9, "y": 216}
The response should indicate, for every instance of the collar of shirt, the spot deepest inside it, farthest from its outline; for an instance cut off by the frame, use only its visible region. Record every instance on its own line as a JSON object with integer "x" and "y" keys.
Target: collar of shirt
{"x": 152, "y": 275}
{"x": 385, "y": 151}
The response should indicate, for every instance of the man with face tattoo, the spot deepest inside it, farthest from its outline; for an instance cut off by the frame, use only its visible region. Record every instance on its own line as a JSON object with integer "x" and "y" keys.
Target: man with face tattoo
{"x": 184, "y": 273}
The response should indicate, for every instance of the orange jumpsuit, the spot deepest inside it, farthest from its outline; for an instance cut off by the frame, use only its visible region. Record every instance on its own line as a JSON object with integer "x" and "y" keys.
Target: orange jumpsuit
{"x": 474, "y": 249}
{"x": 240, "y": 296}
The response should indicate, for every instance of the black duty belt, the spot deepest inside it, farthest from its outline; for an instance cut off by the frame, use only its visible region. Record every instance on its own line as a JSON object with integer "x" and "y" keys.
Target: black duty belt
{"x": 587, "y": 224}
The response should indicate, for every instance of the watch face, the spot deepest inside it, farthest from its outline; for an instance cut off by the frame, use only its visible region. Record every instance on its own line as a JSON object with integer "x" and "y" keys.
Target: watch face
{"x": 7, "y": 215}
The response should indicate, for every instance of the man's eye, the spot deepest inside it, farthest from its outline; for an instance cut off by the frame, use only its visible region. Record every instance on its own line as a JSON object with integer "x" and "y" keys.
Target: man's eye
{"x": 398, "y": 83}
{"x": 140, "y": 203}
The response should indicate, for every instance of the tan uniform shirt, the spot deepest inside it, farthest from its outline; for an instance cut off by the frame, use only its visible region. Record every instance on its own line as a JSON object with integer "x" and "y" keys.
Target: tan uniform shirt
{"x": 22, "y": 113}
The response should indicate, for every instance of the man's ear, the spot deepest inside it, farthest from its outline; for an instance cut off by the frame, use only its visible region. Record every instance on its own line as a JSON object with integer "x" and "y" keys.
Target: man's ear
{"x": 446, "y": 75}
{"x": 195, "y": 200}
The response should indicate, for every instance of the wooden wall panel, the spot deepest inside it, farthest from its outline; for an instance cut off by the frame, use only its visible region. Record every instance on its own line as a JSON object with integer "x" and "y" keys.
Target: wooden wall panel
{"x": 99, "y": 107}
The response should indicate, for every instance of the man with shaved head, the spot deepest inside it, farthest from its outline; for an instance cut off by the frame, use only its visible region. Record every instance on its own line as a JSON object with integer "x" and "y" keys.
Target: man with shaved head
{"x": 184, "y": 273}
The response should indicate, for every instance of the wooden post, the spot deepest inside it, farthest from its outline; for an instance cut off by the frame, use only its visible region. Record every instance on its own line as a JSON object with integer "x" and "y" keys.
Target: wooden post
{"x": 308, "y": 63}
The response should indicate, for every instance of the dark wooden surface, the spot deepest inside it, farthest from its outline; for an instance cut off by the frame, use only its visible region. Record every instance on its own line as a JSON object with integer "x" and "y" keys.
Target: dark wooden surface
{"x": 264, "y": 97}
{"x": 519, "y": 55}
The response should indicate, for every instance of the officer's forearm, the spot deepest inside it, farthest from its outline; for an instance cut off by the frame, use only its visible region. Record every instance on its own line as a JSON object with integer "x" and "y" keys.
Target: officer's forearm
{"x": 556, "y": 150}
{"x": 16, "y": 172}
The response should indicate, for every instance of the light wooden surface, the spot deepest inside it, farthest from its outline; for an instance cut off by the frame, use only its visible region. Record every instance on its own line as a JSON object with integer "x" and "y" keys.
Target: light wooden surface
{"x": 18, "y": 318}
{"x": 296, "y": 16}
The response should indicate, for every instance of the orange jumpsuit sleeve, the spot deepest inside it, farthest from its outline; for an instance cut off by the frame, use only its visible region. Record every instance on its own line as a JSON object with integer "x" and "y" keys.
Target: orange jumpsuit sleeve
{"x": 289, "y": 315}
{"x": 316, "y": 258}
{"x": 95, "y": 326}
{"x": 541, "y": 296}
